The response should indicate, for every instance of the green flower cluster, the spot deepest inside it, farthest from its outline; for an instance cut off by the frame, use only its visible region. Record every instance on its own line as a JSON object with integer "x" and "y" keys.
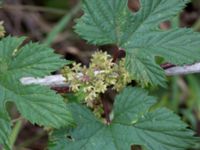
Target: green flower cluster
{"x": 95, "y": 79}
{"x": 2, "y": 30}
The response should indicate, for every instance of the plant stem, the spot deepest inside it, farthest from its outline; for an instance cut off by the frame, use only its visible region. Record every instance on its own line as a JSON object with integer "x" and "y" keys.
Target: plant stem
{"x": 17, "y": 119}
{"x": 59, "y": 81}
{"x": 61, "y": 25}
{"x": 15, "y": 133}
{"x": 106, "y": 109}
{"x": 116, "y": 53}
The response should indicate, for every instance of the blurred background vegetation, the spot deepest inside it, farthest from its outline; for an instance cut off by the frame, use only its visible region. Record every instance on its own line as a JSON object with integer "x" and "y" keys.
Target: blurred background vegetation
{"x": 51, "y": 22}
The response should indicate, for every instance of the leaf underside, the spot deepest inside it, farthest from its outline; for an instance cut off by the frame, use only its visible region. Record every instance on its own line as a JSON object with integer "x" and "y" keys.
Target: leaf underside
{"x": 111, "y": 22}
{"x": 133, "y": 124}
{"x": 37, "y": 104}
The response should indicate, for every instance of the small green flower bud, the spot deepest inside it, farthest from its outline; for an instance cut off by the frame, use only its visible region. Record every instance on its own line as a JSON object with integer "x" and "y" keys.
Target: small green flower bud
{"x": 101, "y": 74}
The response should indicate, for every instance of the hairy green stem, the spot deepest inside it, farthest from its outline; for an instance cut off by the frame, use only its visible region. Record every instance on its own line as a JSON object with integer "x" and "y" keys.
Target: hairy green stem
{"x": 15, "y": 133}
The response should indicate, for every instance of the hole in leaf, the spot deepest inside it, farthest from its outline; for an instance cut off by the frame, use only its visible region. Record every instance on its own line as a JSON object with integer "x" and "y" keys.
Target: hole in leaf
{"x": 69, "y": 138}
{"x": 165, "y": 25}
{"x": 136, "y": 147}
{"x": 134, "y": 5}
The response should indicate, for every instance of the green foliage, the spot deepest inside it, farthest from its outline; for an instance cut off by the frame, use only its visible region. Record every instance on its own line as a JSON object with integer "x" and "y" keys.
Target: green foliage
{"x": 133, "y": 123}
{"x": 134, "y": 120}
{"x": 4, "y": 128}
{"x": 111, "y": 22}
{"x": 37, "y": 104}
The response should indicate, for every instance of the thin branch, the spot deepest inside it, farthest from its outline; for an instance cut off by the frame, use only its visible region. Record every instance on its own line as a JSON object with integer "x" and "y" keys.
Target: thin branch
{"x": 33, "y": 8}
{"x": 183, "y": 70}
{"x": 59, "y": 80}
{"x": 17, "y": 119}
{"x": 51, "y": 81}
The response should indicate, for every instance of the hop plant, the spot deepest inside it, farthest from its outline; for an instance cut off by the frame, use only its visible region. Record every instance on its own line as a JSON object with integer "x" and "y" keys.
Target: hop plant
{"x": 95, "y": 80}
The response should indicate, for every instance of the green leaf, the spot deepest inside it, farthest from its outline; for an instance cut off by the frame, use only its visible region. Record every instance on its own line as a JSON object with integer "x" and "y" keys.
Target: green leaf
{"x": 102, "y": 21}
{"x": 111, "y": 22}
{"x": 5, "y": 129}
{"x": 133, "y": 124}
{"x": 175, "y": 45}
{"x": 145, "y": 69}
{"x": 38, "y": 104}
{"x": 30, "y": 60}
